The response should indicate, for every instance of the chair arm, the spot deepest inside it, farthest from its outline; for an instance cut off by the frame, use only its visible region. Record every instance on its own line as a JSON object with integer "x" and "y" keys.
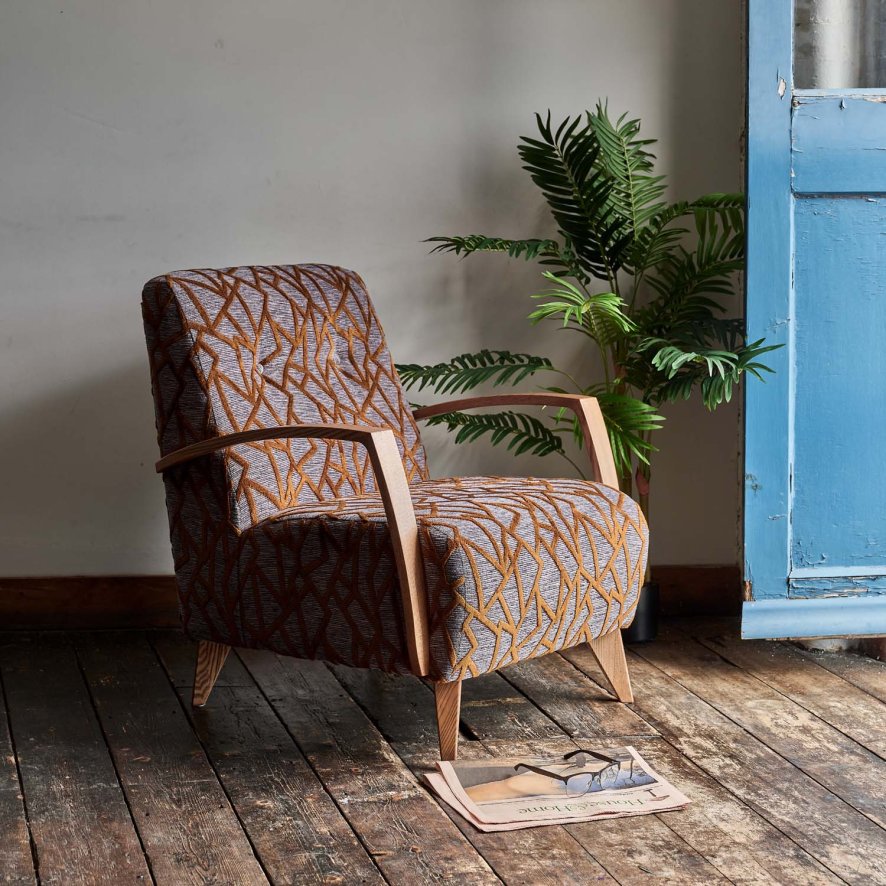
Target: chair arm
{"x": 394, "y": 490}
{"x": 586, "y": 409}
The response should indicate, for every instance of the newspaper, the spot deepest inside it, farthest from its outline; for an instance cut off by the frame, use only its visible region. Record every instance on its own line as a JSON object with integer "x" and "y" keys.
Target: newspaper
{"x": 523, "y": 792}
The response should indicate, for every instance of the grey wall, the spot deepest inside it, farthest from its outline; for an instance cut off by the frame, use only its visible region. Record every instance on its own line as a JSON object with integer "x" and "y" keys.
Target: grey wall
{"x": 143, "y": 137}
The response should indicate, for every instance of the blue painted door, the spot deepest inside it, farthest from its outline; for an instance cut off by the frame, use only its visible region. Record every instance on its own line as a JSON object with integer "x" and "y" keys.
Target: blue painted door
{"x": 815, "y": 433}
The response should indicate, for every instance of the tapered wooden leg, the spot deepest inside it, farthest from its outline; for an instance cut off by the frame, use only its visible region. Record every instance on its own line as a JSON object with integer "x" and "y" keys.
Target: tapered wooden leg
{"x": 210, "y": 658}
{"x": 610, "y": 655}
{"x": 448, "y": 698}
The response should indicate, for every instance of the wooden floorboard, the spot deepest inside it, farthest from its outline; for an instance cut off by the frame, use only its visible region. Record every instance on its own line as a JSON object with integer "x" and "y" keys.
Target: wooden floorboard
{"x": 297, "y": 830}
{"x": 299, "y": 772}
{"x": 80, "y": 823}
{"x": 411, "y": 839}
{"x": 403, "y": 710}
{"x": 853, "y": 711}
{"x": 16, "y": 858}
{"x": 190, "y": 832}
{"x": 865, "y": 673}
{"x": 742, "y": 845}
{"x": 649, "y": 848}
{"x": 834, "y": 760}
{"x": 786, "y": 797}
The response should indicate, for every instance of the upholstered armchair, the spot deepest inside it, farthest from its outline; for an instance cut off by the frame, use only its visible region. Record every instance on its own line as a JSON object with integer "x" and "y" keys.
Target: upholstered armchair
{"x": 303, "y": 519}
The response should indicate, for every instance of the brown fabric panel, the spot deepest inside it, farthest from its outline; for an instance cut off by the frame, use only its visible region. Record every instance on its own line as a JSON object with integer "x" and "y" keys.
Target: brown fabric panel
{"x": 204, "y": 544}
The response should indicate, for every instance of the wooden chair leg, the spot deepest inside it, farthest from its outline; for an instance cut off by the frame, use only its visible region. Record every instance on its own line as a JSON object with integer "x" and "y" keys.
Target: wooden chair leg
{"x": 210, "y": 658}
{"x": 610, "y": 655}
{"x": 448, "y": 699}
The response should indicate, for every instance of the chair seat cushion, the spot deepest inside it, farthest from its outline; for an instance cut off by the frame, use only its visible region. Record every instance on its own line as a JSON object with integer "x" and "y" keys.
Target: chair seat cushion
{"x": 514, "y": 567}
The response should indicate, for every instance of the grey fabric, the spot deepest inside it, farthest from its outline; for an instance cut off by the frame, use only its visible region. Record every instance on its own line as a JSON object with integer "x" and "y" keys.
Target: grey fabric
{"x": 515, "y": 568}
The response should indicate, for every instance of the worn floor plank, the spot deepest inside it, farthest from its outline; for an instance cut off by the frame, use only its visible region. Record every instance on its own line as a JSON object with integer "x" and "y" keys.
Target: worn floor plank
{"x": 744, "y": 847}
{"x": 782, "y": 666}
{"x": 189, "y": 830}
{"x": 648, "y": 848}
{"x": 16, "y": 862}
{"x": 403, "y": 710}
{"x": 865, "y": 673}
{"x": 844, "y": 840}
{"x": 294, "y": 825}
{"x": 834, "y": 760}
{"x": 81, "y": 826}
{"x": 408, "y": 835}
{"x": 296, "y": 772}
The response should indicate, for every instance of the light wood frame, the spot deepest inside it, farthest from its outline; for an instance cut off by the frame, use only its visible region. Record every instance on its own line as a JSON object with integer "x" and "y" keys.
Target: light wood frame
{"x": 210, "y": 660}
{"x": 586, "y": 409}
{"x": 393, "y": 488}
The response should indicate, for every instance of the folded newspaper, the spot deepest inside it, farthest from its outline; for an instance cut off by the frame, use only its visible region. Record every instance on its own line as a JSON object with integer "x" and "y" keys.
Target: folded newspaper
{"x": 525, "y": 792}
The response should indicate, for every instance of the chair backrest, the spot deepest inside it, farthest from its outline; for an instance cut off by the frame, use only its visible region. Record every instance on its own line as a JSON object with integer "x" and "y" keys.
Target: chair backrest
{"x": 255, "y": 347}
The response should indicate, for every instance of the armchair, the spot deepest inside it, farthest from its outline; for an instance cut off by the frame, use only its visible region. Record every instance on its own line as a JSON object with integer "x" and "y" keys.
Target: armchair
{"x": 303, "y": 519}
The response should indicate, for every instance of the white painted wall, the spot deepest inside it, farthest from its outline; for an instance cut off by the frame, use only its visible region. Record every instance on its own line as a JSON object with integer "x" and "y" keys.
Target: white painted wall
{"x": 140, "y": 137}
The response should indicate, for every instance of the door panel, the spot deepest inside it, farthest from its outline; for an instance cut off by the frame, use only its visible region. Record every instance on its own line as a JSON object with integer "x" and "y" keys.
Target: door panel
{"x": 839, "y": 143}
{"x": 837, "y": 517}
{"x": 815, "y": 480}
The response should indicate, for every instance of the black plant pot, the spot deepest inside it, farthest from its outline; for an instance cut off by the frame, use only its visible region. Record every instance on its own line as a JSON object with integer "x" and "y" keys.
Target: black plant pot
{"x": 644, "y": 627}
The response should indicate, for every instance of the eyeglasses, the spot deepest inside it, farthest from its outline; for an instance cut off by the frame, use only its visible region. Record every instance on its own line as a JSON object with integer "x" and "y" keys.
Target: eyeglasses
{"x": 582, "y": 782}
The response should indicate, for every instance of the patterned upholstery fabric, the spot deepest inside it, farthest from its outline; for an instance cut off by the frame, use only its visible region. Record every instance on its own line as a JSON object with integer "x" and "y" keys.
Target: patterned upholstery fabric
{"x": 514, "y": 568}
{"x": 284, "y": 545}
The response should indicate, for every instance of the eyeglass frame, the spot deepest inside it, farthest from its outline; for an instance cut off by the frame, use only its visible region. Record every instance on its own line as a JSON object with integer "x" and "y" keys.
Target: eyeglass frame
{"x": 565, "y": 778}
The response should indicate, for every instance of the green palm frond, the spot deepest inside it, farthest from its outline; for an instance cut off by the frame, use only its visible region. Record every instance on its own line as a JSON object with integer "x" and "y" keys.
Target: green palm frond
{"x": 468, "y": 371}
{"x": 600, "y": 315}
{"x": 564, "y": 165}
{"x": 655, "y": 242}
{"x": 521, "y": 432}
{"x": 689, "y": 285}
{"x": 629, "y": 421}
{"x": 528, "y": 249}
{"x": 634, "y": 191}
{"x": 714, "y": 371}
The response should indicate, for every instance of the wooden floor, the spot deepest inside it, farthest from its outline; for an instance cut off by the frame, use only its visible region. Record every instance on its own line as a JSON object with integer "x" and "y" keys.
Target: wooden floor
{"x": 300, "y": 773}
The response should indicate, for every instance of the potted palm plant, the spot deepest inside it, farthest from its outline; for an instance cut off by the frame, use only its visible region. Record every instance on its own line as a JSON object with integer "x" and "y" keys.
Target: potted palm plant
{"x": 645, "y": 281}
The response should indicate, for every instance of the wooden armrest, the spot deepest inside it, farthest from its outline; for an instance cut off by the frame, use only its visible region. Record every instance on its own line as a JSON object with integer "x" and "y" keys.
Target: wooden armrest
{"x": 394, "y": 490}
{"x": 586, "y": 409}
{"x": 356, "y": 433}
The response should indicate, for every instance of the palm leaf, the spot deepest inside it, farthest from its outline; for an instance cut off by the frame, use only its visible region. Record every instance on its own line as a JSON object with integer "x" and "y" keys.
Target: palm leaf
{"x": 468, "y": 371}
{"x": 628, "y": 419}
{"x": 635, "y": 192}
{"x": 521, "y": 432}
{"x": 528, "y": 249}
{"x": 600, "y": 315}
{"x": 546, "y": 252}
{"x": 564, "y": 166}
{"x": 656, "y": 241}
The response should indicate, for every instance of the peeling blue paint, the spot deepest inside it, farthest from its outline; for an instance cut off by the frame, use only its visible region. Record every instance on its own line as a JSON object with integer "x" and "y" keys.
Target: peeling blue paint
{"x": 815, "y": 512}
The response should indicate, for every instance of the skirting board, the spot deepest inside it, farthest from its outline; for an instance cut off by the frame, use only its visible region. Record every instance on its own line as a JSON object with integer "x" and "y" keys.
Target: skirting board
{"x": 797, "y": 617}
{"x": 699, "y": 590}
{"x": 88, "y": 603}
{"x": 131, "y": 601}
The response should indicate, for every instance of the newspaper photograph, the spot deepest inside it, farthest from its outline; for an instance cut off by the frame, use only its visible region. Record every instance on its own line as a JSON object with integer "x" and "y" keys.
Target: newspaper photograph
{"x": 510, "y": 793}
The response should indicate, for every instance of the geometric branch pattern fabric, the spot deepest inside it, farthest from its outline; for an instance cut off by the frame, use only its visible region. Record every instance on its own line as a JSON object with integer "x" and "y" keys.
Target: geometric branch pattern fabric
{"x": 293, "y": 345}
{"x": 515, "y": 568}
{"x": 283, "y": 544}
